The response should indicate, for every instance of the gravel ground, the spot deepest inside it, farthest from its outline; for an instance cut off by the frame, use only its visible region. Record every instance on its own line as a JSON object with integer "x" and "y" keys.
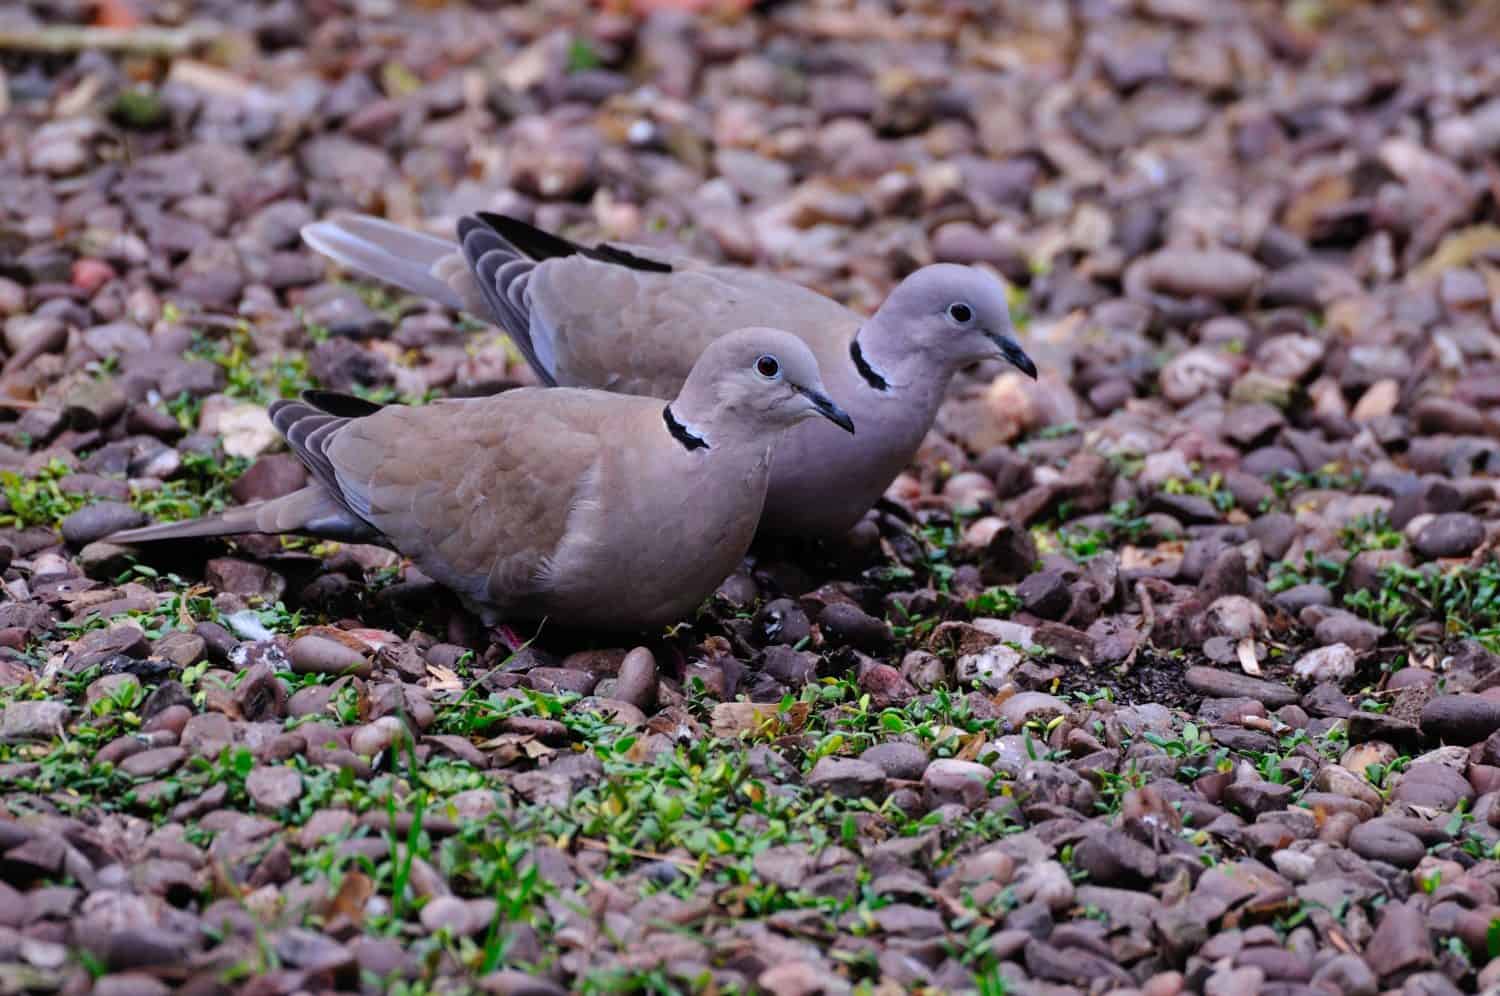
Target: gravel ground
{"x": 1177, "y": 671}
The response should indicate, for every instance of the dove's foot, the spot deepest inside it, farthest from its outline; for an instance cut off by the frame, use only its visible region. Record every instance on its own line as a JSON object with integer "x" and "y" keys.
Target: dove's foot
{"x": 506, "y": 637}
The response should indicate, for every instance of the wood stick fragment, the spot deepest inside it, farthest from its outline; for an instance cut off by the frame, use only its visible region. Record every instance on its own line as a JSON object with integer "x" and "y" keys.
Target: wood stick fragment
{"x": 143, "y": 40}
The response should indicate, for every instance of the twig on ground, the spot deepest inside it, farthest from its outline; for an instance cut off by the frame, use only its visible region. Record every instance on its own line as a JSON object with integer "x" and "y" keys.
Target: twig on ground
{"x": 144, "y": 40}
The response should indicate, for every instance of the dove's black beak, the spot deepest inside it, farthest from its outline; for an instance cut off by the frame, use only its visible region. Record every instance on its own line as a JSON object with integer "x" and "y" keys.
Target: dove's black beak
{"x": 1014, "y": 354}
{"x": 825, "y": 407}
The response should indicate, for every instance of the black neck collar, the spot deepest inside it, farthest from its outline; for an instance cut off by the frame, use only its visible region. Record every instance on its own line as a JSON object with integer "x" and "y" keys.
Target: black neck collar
{"x": 680, "y": 432}
{"x": 869, "y": 373}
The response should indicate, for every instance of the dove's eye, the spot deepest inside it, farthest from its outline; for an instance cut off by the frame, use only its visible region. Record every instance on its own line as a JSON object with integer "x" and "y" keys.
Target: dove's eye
{"x": 960, "y": 312}
{"x": 768, "y": 367}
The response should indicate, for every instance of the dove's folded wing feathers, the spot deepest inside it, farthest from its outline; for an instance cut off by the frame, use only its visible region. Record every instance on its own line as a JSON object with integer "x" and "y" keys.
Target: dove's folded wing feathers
{"x": 298, "y": 421}
{"x": 486, "y": 524}
{"x": 620, "y": 317}
{"x": 639, "y": 332}
{"x": 501, "y": 273}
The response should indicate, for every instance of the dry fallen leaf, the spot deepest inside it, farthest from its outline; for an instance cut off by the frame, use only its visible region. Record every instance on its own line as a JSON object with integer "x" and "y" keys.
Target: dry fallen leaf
{"x": 535, "y": 749}
{"x": 759, "y": 719}
{"x": 1459, "y": 249}
{"x": 507, "y": 748}
{"x": 638, "y": 752}
{"x": 184, "y": 617}
{"x": 1307, "y": 206}
{"x": 354, "y": 891}
{"x": 443, "y": 679}
{"x": 1136, "y": 557}
{"x": 972, "y": 747}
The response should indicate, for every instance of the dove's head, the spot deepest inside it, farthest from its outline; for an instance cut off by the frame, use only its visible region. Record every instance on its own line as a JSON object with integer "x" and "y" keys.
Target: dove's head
{"x": 954, "y": 314}
{"x": 759, "y": 378}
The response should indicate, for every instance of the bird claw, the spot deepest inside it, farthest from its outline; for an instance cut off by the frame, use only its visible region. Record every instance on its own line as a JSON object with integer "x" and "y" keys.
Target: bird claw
{"x": 506, "y": 637}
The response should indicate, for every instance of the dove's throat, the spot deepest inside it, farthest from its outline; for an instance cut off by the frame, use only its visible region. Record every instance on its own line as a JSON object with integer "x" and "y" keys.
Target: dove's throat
{"x": 873, "y": 378}
{"x": 885, "y": 360}
{"x": 689, "y": 439}
{"x": 890, "y": 386}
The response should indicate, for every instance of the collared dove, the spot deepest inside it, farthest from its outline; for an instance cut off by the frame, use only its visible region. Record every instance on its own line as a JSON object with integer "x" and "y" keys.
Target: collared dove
{"x": 632, "y": 320}
{"x": 601, "y": 510}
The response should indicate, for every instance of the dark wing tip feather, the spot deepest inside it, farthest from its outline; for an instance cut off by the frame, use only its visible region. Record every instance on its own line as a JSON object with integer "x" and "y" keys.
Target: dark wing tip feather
{"x": 537, "y": 244}
{"x": 606, "y": 253}
{"x": 339, "y": 404}
{"x": 529, "y": 240}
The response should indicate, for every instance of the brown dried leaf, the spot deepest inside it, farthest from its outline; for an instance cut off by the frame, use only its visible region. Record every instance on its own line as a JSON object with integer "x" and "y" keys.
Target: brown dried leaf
{"x": 1137, "y": 557}
{"x": 972, "y": 747}
{"x": 506, "y": 748}
{"x": 354, "y": 891}
{"x": 443, "y": 679}
{"x": 765, "y": 720}
{"x": 534, "y": 748}
{"x": 184, "y": 617}
{"x": 638, "y": 753}
{"x": 1308, "y": 205}
{"x": 676, "y": 723}
{"x": 1459, "y": 249}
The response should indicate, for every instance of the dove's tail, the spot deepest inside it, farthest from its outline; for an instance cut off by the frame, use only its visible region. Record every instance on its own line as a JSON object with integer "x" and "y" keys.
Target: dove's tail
{"x": 311, "y": 511}
{"x": 486, "y": 277}
{"x": 417, "y": 263}
{"x": 231, "y": 523}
